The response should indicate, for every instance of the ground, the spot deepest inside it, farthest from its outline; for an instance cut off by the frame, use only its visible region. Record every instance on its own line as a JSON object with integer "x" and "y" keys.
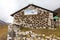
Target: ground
{"x": 47, "y": 32}
{"x": 4, "y": 29}
{"x": 3, "y": 32}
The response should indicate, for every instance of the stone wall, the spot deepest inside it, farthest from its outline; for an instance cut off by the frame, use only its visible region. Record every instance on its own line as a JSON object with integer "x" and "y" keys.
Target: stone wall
{"x": 59, "y": 21}
{"x": 33, "y": 20}
{"x": 14, "y": 33}
{"x": 41, "y": 19}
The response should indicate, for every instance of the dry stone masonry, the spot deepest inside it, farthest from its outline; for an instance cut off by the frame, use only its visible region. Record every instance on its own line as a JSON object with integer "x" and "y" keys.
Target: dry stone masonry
{"x": 16, "y": 34}
{"x": 41, "y": 19}
{"x": 31, "y": 16}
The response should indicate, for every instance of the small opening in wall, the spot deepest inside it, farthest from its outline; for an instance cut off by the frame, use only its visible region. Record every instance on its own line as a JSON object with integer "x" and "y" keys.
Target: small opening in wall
{"x": 10, "y": 39}
{"x": 54, "y": 19}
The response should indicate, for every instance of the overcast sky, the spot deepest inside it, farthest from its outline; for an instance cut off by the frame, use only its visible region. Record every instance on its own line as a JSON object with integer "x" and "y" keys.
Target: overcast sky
{"x": 7, "y": 7}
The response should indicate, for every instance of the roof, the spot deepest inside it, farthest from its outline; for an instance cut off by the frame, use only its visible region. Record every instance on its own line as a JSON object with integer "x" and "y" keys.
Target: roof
{"x": 31, "y": 5}
{"x": 58, "y": 12}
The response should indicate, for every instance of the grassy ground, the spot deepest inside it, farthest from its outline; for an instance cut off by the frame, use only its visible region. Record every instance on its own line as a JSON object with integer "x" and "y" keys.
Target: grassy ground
{"x": 47, "y": 32}
{"x": 3, "y": 32}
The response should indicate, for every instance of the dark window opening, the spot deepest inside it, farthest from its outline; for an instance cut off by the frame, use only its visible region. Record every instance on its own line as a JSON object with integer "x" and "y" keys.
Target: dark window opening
{"x": 10, "y": 39}
{"x": 54, "y": 19}
{"x": 54, "y": 14}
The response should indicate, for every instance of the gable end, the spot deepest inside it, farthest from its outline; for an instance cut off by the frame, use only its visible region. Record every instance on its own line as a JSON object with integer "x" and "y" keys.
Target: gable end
{"x": 34, "y": 6}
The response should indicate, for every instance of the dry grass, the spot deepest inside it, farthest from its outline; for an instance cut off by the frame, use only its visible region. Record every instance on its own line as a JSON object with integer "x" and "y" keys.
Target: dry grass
{"x": 47, "y": 32}
{"x": 3, "y": 32}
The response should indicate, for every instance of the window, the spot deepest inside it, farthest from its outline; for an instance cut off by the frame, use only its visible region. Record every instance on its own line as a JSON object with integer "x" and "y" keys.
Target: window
{"x": 30, "y": 11}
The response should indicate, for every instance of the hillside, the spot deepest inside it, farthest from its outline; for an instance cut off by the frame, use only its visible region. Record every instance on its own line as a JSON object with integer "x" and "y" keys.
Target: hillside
{"x": 2, "y": 23}
{"x": 57, "y": 11}
{"x": 3, "y": 32}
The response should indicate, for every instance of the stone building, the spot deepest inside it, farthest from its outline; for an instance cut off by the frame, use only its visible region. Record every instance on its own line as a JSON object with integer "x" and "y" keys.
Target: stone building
{"x": 30, "y": 16}
{"x": 58, "y": 16}
{"x": 33, "y": 15}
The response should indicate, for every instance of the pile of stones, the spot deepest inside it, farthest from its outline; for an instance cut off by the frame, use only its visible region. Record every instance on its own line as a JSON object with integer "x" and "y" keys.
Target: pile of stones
{"x": 29, "y": 35}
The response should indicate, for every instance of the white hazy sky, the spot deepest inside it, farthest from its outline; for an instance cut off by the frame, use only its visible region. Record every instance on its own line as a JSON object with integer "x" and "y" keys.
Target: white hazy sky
{"x": 7, "y": 7}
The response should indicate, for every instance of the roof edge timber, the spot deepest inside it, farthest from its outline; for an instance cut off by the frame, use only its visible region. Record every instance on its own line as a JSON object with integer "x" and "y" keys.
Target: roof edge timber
{"x": 31, "y": 5}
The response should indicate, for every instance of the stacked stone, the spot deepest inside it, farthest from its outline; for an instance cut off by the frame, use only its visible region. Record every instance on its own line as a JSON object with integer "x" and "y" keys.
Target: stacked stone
{"x": 29, "y": 35}
{"x": 11, "y": 32}
{"x": 38, "y": 20}
{"x": 43, "y": 19}
{"x": 14, "y": 33}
